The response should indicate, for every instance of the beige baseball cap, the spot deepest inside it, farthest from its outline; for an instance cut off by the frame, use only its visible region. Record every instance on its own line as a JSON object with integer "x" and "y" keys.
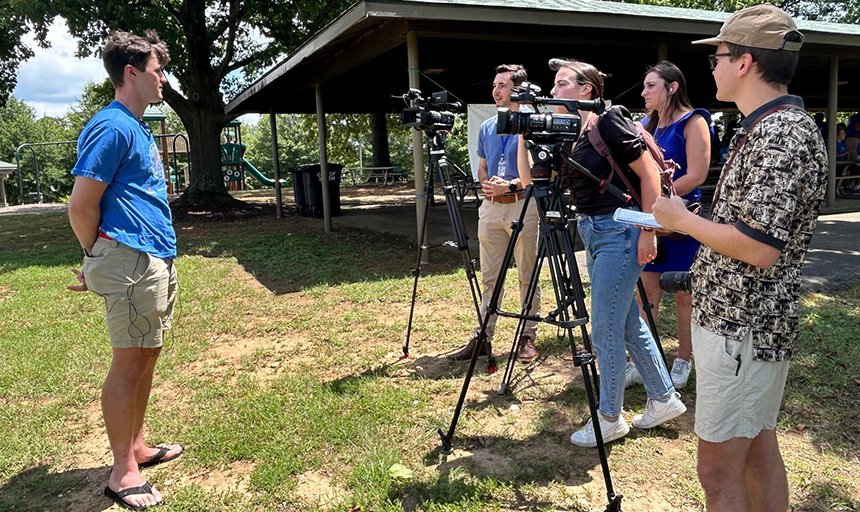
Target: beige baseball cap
{"x": 761, "y": 26}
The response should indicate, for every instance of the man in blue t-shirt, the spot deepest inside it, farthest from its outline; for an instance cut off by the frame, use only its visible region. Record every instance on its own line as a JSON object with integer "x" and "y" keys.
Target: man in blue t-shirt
{"x": 119, "y": 213}
{"x": 503, "y": 187}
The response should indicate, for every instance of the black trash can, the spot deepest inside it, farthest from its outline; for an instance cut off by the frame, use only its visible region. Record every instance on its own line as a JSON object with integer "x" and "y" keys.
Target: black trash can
{"x": 299, "y": 190}
{"x": 313, "y": 188}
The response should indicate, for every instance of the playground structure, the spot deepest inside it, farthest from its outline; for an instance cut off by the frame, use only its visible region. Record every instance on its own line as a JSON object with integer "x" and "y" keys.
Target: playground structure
{"x": 233, "y": 162}
{"x": 173, "y": 148}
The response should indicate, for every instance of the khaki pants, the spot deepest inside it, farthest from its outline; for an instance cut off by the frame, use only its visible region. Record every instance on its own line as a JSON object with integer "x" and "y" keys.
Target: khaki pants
{"x": 494, "y": 234}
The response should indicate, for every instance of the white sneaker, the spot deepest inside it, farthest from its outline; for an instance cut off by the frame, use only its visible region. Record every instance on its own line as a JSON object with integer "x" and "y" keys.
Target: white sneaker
{"x": 609, "y": 429}
{"x": 680, "y": 372}
{"x": 631, "y": 375}
{"x": 657, "y": 412}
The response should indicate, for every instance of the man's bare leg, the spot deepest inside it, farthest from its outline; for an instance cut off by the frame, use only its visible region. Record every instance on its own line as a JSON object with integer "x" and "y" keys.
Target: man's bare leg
{"x": 721, "y": 471}
{"x": 120, "y": 396}
{"x": 142, "y": 452}
{"x": 765, "y": 470}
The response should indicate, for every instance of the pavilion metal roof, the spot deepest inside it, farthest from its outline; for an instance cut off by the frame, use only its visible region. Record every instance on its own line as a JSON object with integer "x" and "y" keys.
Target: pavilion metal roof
{"x": 360, "y": 58}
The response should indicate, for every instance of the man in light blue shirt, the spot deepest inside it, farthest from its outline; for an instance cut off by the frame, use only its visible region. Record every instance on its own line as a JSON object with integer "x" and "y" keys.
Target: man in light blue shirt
{"x": 503, "y": 185}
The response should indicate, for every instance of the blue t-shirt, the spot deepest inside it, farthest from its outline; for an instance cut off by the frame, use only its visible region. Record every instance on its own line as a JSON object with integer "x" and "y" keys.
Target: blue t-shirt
{"x": 118, "y": 149}
{"x": 671, "y": 139}
{"x": 491, "y": 147}
{"x": 841, "y": 147}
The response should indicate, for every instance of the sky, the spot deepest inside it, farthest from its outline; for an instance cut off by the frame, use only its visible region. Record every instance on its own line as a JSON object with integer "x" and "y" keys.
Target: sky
{"x": 53, "y": 80}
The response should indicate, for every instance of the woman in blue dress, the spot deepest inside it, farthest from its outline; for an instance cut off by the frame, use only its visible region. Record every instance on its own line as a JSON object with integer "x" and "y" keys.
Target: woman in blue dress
{"x": 685, "y": 135}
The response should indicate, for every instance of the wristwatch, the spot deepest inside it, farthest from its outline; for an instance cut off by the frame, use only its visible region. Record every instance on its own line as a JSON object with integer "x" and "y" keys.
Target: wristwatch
{"x": 513, "y": 187}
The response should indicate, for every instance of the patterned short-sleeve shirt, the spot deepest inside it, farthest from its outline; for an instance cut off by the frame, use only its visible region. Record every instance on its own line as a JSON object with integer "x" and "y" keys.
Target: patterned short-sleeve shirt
{"x": 772, "y": 192}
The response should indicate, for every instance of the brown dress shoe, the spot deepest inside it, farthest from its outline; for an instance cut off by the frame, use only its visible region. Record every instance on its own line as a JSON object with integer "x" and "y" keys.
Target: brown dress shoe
{"x": 465, "y": 353}
{"x": 526, "y": 349}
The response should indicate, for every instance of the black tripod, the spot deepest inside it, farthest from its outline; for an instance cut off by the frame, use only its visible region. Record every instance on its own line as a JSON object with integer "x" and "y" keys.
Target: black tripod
{"x": 556, "y": 246}
{"x": 647, "y": 306}
{"x": 439, "y": 163}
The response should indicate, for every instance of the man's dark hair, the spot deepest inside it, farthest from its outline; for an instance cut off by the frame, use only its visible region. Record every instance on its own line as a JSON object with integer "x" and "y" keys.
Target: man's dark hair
{"x": 125, "y": 48}
{"x": 776, "y": 67}
{"x": 518, "y": 73}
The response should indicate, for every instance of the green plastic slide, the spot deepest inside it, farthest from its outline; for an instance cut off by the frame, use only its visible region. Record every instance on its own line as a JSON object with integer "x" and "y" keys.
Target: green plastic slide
{"x": 260, "y": 176}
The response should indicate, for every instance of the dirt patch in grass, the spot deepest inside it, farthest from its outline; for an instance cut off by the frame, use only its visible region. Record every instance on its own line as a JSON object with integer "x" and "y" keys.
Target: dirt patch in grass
{"x": 315, "y": 488}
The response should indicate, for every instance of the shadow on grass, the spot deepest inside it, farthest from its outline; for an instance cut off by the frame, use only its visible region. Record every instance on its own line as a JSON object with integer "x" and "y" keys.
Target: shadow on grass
{"x": 452, "y": 488}
{"x": 293, "y": 253}
{"x": 824, "y": 497}
{"x": 37, "y": 489}
{"x": 285, "y": 255}
{"x": 821, "y": 395}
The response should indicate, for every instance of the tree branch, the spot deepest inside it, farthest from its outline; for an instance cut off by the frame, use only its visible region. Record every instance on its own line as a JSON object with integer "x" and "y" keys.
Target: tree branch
{"x": 231, "y": 39}
{"x": 171, "y": 10}
{"x": 242, "y": 63}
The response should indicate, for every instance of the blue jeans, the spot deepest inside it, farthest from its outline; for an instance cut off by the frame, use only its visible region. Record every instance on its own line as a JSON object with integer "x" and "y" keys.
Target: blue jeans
{"x": 611, "y": 250}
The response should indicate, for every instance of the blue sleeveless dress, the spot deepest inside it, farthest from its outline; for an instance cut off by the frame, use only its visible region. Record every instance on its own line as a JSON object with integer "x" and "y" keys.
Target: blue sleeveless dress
{"x": 679, "y": 253}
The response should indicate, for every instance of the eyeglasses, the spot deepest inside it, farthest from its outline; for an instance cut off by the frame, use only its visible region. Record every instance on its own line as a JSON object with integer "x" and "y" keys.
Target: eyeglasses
{"x": 712, "y": 59}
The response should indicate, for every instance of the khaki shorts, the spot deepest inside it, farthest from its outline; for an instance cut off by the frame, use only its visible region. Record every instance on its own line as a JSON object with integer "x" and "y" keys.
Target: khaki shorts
{"x": 729, "y": 405}
{"x": 139, "y": 291}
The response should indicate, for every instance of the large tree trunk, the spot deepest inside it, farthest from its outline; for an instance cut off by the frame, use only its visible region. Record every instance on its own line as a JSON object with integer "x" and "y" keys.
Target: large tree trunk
{"x": 206, "y": 184}
{"x": 379, "y": 140}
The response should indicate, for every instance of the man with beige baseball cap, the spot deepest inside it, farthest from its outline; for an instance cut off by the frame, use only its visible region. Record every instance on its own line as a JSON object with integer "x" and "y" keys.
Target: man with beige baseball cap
{"x": 746, "y": 276}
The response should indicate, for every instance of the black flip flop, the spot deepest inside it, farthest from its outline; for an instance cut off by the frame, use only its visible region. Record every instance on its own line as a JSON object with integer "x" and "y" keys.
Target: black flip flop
{"x": 117, "y": 496}
{"x": 157, "y": 458}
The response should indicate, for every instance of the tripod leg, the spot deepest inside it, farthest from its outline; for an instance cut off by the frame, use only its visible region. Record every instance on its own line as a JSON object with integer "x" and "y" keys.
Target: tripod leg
{"x": 570, "y": 298}
{"x": 647, "y": 306}
{"x": 447, "y": 439}
{"x": 462, "y": 239}
{"x": 530, "y": 296}
{"x": 417, "y": 270}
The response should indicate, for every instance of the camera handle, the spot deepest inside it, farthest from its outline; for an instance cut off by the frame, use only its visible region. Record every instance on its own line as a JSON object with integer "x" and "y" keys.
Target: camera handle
{"x": 438, "y": 164}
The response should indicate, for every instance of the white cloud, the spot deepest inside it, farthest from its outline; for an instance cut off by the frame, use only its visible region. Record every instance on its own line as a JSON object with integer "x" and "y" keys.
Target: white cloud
{"x": 54, "y": 79}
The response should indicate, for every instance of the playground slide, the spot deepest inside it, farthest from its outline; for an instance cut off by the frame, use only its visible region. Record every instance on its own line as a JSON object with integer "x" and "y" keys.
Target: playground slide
{"x": 260, "y": 176}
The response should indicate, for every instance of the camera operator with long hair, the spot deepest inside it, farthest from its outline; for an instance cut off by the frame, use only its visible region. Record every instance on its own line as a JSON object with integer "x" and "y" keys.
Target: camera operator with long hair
{"x": 615, "y": 254}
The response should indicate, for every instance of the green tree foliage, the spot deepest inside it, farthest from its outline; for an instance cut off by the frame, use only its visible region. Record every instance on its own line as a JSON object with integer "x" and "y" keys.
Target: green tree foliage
{"x": 818, "y": 10}
{"x": 18, "y": 125}
{"x": 216, "y": 48}
{"x": 12, "y": 51}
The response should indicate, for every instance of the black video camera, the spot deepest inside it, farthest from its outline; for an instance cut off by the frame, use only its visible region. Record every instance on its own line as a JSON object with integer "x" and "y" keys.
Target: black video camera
{"x": 430, "y": 114}
{"x": 544, "y": 127}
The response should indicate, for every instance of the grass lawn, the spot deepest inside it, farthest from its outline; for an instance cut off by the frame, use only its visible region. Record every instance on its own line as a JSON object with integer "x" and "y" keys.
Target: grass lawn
{"x": 283, "y": 379}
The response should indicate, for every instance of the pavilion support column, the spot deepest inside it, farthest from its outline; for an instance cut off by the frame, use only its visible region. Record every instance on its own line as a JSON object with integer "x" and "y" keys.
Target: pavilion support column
{"x": 321, "y": 127}
{"x": 662, "y": 52}
{"x": 417, "y": 141}
{"x": 832, "y": 99}
{"x": 276, "y": 163}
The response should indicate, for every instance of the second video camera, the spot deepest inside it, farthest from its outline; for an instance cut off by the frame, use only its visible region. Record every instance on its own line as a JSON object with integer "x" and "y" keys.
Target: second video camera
{"x": 435, "y": 113}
